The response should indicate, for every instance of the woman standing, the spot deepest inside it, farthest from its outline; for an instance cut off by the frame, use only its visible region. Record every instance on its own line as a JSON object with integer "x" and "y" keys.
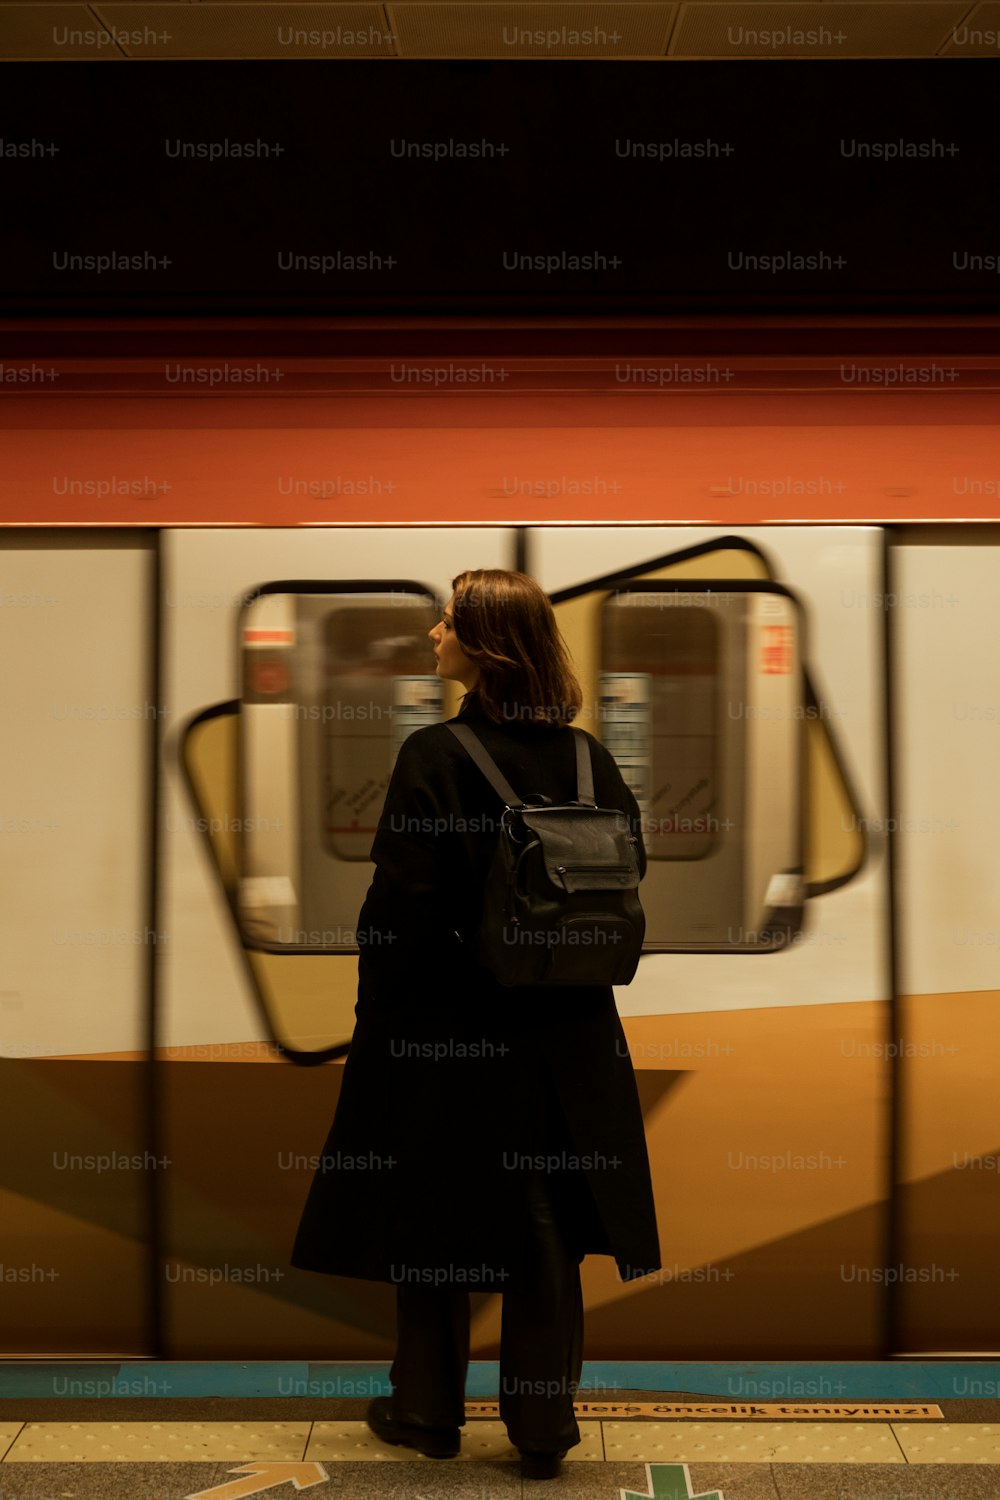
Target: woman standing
{"x": 486, "y": 1138}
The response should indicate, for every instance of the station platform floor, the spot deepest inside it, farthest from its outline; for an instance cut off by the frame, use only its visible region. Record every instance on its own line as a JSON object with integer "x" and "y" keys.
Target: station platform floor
{"x": 157, "y": 1430}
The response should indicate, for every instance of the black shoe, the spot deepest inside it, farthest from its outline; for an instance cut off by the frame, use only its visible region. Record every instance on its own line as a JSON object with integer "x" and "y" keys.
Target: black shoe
{"x": 432, "y": 1442}
{"x": 542, "y": 1465}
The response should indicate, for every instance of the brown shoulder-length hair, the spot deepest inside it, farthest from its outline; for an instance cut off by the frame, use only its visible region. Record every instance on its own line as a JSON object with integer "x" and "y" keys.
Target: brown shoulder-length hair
{"x": 506, "y": 625}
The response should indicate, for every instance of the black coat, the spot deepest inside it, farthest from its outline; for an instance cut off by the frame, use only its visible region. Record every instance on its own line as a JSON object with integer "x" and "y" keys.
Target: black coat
{"x": 452, "y": 1080}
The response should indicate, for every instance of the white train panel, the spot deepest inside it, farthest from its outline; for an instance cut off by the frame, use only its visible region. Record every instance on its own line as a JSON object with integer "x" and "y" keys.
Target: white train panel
{"x": 75, "y": 759}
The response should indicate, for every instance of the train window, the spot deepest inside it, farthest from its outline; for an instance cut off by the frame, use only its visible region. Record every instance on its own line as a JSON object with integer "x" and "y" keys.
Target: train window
{"x": 332, "y": 683}
{"x": 658, "y": 696}
{"x": 700, "y": 700}
{"x": 376, "y": 691}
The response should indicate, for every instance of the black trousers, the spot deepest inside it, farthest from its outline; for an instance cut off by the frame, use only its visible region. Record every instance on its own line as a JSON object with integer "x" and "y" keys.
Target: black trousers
{"x": 541, "y": 1342}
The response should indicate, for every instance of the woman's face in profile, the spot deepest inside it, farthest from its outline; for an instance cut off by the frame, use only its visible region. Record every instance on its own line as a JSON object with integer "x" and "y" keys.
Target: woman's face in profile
{"x": 452, "y": 661}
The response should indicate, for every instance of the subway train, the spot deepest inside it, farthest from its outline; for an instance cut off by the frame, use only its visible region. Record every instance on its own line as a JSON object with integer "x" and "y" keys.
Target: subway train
{"x": 201, "y": 724}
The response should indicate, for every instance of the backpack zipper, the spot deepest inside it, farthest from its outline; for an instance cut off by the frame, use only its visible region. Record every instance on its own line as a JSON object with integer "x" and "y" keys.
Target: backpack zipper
{"x": 562, "y": 869}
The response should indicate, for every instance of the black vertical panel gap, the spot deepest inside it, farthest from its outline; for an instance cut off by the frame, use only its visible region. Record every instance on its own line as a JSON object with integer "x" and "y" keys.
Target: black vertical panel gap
{"x": 521, "y": 549}
{"x": 155, "y": 1337}
{"x": 890, "y": 1323}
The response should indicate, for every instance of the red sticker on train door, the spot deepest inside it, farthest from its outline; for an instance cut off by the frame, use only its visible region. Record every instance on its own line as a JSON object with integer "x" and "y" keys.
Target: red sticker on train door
{"x": 776, "y": 648}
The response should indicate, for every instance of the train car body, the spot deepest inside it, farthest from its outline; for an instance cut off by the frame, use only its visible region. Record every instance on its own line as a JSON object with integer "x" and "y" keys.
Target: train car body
{"x": 207, "y": 686}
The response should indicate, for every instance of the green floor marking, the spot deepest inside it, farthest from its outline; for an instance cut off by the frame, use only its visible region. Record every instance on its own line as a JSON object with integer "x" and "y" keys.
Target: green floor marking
{"x": 669, "y": 1482}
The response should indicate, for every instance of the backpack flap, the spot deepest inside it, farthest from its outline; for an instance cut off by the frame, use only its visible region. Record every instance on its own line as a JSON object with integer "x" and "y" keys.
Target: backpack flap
{"x": 584, "y": 848}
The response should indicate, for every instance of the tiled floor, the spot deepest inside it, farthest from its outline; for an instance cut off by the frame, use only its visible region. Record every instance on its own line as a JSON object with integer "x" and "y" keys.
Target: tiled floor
{"x": 221, "y": 1449}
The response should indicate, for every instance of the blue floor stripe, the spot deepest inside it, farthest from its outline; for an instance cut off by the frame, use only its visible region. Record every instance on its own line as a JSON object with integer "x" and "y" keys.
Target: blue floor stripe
{"x": 916, "y": 1380}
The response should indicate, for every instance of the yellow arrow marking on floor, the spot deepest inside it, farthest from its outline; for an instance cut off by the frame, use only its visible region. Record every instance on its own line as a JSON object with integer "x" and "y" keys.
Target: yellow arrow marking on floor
{"x": 263, "y": 1476}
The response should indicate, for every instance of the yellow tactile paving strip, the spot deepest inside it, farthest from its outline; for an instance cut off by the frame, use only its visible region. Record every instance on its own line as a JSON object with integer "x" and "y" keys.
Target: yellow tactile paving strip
{"x": 157, "y": 1442}
{"x": 481, "y": 1442}
{"x": 485, "y": 1441}
{"x": 188, "y": 1442}
{"x": 757, "y": 1443}
{"x": 950, "y": 1442}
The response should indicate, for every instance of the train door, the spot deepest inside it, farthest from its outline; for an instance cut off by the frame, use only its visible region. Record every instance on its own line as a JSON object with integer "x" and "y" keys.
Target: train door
{"x": 297, "y": 660}
{"x": 745, "y": 697}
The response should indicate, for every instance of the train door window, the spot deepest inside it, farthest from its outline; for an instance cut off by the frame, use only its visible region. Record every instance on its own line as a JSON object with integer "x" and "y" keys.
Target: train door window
{"x": 334, "y": 678}
{"x": 700, "y": 693}
{"x": 658, "y": 693}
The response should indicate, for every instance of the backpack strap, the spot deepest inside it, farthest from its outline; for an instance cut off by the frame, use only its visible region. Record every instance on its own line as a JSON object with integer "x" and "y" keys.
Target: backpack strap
{"x": 584, "y": 770}
{"x": 486, "y": 764}
{"x": 499, "y": 783}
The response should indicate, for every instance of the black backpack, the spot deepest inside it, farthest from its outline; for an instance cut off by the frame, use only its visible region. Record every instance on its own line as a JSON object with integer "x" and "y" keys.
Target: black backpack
{"x": 562, "y": 894}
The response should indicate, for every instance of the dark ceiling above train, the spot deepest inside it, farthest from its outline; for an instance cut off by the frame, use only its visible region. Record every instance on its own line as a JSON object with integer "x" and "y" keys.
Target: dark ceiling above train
{"x": 426, "y": 29}
{"x": 507, "y": 189}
